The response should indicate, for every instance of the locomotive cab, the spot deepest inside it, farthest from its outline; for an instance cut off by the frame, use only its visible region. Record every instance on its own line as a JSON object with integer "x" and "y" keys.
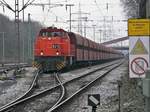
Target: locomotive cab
{"x": 52, "y": 48}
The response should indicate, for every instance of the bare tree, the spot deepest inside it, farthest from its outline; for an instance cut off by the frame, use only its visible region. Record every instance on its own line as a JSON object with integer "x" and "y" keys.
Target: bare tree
{"x": 131, "y": 7}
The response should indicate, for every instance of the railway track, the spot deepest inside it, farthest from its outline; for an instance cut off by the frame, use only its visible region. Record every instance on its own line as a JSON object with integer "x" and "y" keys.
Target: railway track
{"x": 25, "y": 94}
{"x": 8, "y": 67}
{"x": 62, "y": 92}
{"x": 80, "y": 90}
{"x": 61, "y": 98}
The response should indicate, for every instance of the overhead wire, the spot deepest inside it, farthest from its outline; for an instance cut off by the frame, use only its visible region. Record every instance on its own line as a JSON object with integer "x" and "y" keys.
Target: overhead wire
{"x": 46, "y": 15}
{"x": 26, "y": 4}
{"x": 98, "y": 7}
{"x": 7, "y": 5}
{"x": 59, "y": 17}
{"x": 63, "y": 1}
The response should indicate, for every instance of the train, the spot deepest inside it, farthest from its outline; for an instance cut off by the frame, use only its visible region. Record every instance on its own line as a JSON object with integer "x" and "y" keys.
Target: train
{"x": 55, "y": 49}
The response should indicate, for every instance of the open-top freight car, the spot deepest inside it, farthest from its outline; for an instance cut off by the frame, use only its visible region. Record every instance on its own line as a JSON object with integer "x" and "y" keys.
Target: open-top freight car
{"x": 56, "y": 49}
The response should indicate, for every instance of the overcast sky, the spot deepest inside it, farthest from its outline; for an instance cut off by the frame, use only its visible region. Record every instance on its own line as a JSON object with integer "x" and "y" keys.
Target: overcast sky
{"x": 97, "y": 10}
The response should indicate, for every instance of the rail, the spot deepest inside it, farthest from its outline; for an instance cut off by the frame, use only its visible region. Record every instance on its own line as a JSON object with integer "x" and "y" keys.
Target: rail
{"x": 62, "y": 94}
{"x": 24, "y": 95}
{"x": 21, "y": 100}
{"x": 83, "y": 88}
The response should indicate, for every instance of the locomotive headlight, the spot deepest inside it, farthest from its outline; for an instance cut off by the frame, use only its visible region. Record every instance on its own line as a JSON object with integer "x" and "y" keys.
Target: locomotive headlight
{"x": 41, "y": 53}
{"x": 57, "y": 52}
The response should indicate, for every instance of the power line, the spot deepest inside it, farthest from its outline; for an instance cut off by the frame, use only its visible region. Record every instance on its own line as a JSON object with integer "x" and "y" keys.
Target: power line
{"x": 7, "y": 5}
{"x": 27, "y": 4}
{"x": 80, "y": 13}
{"x": 98, "y": 7}
{"x": 60, "y": 17}
{"x": 46, "y": 4}
{"x": 17, "y": 27}
{"x": 69, "y": 5}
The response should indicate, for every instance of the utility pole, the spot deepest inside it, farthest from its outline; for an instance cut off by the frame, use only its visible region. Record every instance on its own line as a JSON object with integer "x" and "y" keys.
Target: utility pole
{"x": 23, "y": 44}
{"x": 146, "y": 80}
{"x": 100, "y": 31}
{"x": 23, "y": 11}
{"x": 148, "y": 9}
{"x": 16, "y": 11}
{"x": 94, "y": 109}
{"x": 104, "y": 26}
{"x": 17, "y": 27}
{"x": 70, "y": 5}
{"x": 80, "y": 21}
{"x": 85, "y": 19}
{"x": 94, "y": 31}
{"x": 23, "y": 49}
{"x": 29, "y": 36}
{"x": 3, "y": 48}
{"x": 107, "y": 6}
{"x": 85, "y": 29}
{"x": 80, "y": 13}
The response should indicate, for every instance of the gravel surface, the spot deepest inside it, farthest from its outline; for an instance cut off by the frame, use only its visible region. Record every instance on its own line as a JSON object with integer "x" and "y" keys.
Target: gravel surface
{"x": 131, "y": 95}
{"x": 43, "y": 80}
{"x": 39, "y": 104}
{"x": 131, "y": 100}
{"x": 108, "y": 90}
{"x": 12, "y": 89}
{"x": 79, "y": 72}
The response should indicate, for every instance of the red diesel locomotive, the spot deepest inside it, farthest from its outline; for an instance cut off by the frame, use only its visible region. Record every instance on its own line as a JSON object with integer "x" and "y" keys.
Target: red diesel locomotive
{"x": 56, "y": 48}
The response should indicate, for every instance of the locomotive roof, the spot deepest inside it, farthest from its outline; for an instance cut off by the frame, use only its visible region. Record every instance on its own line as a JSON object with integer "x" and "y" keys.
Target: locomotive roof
{"x": 52, "y": 29}
{"x": 78, "y": 37}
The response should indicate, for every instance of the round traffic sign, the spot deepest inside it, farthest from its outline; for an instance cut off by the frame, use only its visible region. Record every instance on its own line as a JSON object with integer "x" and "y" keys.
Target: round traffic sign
{"x": 139, "y": 65}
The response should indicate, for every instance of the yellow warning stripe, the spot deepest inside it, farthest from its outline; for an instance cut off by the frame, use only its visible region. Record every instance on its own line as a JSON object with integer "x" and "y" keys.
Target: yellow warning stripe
{"x": 37, "y": 65}
{"x": 60, "y": 65}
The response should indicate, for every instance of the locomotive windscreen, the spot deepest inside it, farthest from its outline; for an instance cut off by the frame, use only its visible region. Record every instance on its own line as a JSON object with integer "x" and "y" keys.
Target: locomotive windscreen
{"x": 52, "y": 34}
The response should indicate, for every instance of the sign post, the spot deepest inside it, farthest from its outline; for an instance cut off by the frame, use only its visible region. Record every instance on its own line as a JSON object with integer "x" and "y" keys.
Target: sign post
{"x": 146, "y": 90}
{"x": 139, "y": 32}
{"x": 93, "y": 100}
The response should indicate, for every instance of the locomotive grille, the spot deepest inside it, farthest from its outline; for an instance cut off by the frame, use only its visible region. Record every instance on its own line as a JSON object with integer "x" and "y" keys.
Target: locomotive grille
{"x": 55, "y": 46}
